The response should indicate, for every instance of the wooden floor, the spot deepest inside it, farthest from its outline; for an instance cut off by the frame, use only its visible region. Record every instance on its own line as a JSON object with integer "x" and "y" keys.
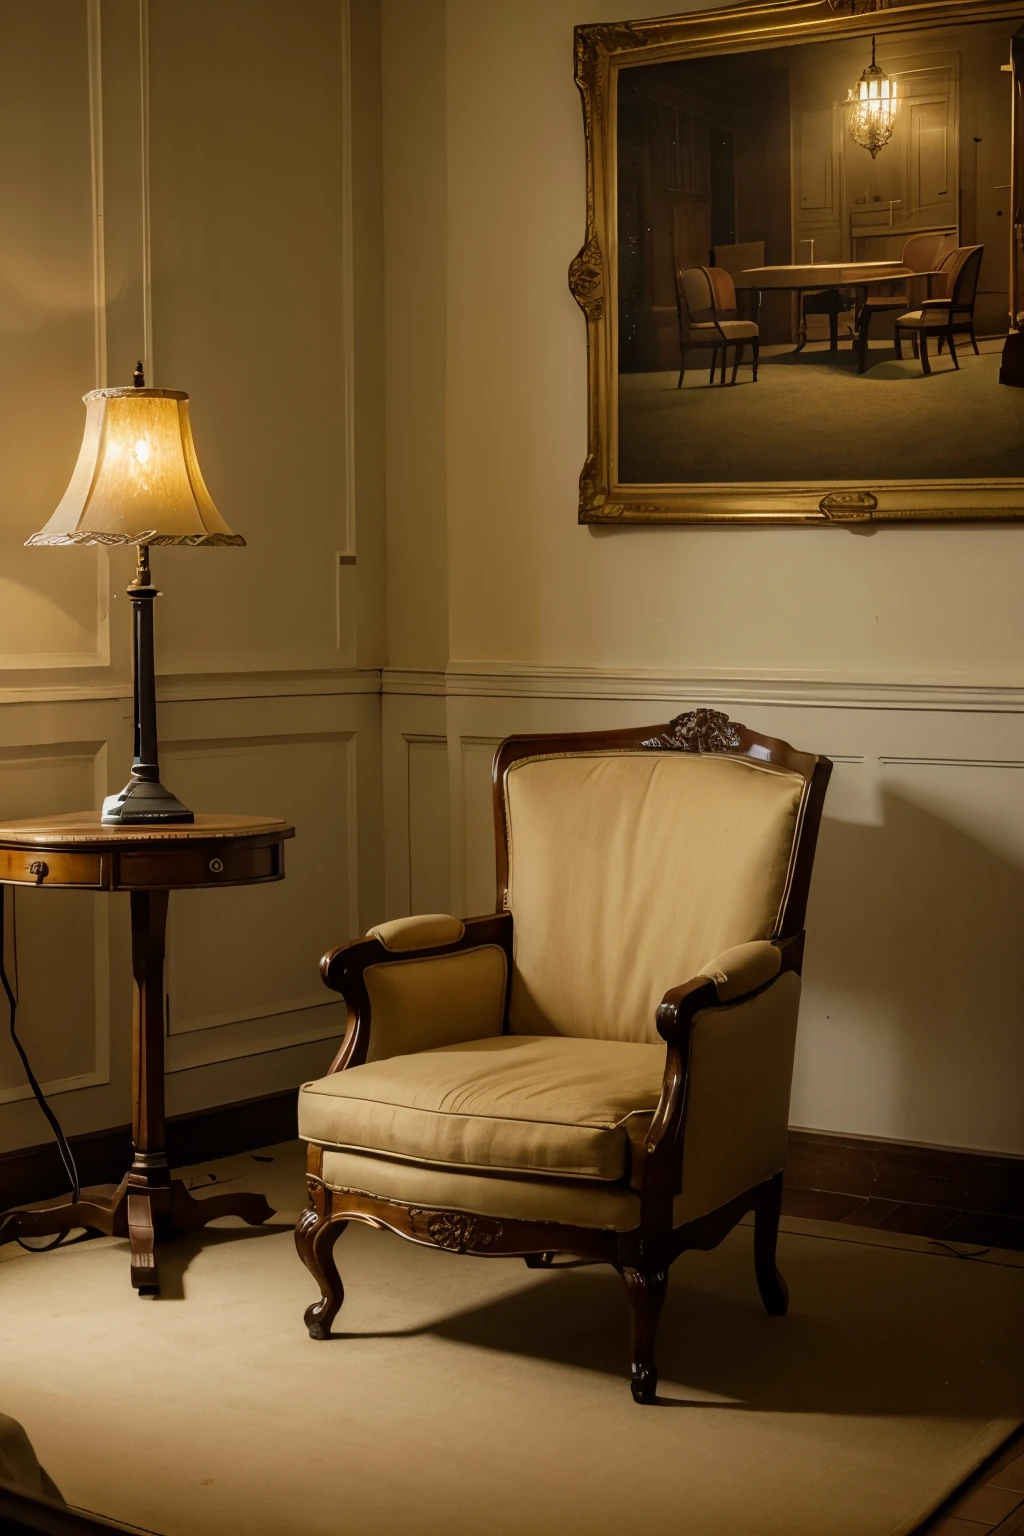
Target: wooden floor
{"x": 935, "y": 1221}
{"x": 993, "y": 1503}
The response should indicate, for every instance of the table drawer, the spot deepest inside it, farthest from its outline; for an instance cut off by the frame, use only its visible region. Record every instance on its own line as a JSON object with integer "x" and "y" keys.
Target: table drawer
{"x": 197, "y": 866}
{"x": 29, "y": 866}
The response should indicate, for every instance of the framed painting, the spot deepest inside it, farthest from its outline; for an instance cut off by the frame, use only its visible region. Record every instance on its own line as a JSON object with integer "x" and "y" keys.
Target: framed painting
{"x": 802, "y": 272}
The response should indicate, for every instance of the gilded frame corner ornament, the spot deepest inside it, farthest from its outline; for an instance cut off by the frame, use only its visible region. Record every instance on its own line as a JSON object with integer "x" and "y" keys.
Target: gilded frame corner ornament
{"x": 601, "y": 50}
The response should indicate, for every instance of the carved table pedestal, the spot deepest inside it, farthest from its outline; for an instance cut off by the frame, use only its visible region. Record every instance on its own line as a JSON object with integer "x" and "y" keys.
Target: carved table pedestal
{"x": 76, "y": 853}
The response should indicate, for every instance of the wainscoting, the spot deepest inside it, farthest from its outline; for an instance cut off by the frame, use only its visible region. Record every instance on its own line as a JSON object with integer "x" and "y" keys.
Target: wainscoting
{"x": 910, "y": 1027}
{"x": 246, "y": 1011}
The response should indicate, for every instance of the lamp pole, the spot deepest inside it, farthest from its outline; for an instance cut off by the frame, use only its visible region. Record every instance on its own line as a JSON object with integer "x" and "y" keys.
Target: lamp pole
{"x": 144, "y": 798}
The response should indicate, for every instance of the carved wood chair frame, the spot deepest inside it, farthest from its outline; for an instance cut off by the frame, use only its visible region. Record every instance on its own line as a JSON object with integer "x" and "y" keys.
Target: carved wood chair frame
{"x": 641, "y": 1256}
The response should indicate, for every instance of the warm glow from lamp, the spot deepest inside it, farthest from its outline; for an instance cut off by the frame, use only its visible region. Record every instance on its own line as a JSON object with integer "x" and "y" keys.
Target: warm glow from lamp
{"x": 137, "y": 480}
{"x": 874, "y": 107}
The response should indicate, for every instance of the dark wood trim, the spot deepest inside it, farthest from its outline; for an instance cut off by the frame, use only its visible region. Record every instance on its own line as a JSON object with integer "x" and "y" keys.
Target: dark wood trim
{"x": 704, "y": 731}
{"x": 953, "y": 1177}
{"x": 35, "y": 1173}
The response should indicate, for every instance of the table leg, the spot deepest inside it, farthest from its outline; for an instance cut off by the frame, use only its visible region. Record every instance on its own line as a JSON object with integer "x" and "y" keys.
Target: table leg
{"x": 149, "y": 1179}
{"x": 148, "y": 1204}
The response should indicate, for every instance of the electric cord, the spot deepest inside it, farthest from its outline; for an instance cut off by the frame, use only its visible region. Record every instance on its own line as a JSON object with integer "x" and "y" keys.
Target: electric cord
{"x": 66, "y": 1155}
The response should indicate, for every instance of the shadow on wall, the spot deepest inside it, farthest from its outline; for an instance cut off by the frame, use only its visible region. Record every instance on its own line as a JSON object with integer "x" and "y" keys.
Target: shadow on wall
{"x": 914, "y": 979}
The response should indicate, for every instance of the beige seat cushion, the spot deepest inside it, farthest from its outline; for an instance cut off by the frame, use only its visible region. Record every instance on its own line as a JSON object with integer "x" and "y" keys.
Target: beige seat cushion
{"x": 548, "y": 1106}
{"x": 923, "y": 319}
{"x": 735, "y": 330}
{"x": 507, "y": 1196}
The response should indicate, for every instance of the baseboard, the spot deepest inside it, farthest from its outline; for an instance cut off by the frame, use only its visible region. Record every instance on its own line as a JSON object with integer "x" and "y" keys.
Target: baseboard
{"x": 36, "y": 1173}
{"x": 979, "y": 1182}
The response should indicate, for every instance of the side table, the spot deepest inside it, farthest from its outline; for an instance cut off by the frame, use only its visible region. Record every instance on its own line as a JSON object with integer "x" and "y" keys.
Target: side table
{"x": 74, "y": 852}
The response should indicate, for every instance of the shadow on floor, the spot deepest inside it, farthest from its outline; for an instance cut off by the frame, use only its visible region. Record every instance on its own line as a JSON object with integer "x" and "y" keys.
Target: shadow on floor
{"x": 858, "y": 1339}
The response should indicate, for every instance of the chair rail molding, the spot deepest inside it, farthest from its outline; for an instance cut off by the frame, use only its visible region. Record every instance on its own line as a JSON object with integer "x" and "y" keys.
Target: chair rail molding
{"x": 506, "y": 679}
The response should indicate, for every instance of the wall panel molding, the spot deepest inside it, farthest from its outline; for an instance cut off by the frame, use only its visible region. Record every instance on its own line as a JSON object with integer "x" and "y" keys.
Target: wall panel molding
{"x": 910, "y": 1019}
{"x": 466, "y": 679}
{"x": 198, "y": 686}
{"x": 348, "y": 351}
{"x": 56, "y": 767}
{"x": 265, "y": 768}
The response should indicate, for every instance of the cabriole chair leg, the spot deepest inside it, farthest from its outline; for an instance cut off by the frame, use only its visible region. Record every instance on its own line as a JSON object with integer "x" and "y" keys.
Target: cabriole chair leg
{"x": 774, "y": 1291}
{"x": 315, "y": 1237}
{"x": 646, "y": 1292}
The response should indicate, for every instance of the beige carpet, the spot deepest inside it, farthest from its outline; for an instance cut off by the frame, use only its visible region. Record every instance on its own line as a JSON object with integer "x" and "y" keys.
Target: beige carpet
{"x": 476, "y": 1395}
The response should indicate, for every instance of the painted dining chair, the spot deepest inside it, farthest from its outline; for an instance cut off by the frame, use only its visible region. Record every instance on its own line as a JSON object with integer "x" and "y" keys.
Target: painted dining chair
{"x": 709, "y": 317}
{"x": 601, "y": 1067}
{"x": 947, "y": 317}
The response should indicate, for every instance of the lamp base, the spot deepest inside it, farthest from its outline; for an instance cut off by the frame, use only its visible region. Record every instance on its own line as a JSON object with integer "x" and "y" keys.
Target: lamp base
{"x": 143, "y": 801}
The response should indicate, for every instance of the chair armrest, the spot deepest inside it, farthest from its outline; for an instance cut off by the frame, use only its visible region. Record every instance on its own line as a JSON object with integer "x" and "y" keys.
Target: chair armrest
{"x": 733, "y": 974}
{"x": 421, "y": 982}
{"x": 736, "y": 976}
{"x": 432, "y": 930}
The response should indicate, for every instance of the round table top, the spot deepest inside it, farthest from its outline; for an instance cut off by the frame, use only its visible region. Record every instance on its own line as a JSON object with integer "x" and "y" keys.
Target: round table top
{"x": 83, "y": 829}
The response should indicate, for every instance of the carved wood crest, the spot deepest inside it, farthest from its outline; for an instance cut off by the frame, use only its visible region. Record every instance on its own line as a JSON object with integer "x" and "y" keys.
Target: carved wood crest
{"x": 453, "y": 1230}
{"x": 699, "y": 730}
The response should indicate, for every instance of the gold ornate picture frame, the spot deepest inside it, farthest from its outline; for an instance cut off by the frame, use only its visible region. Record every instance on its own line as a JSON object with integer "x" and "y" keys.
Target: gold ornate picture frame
{"x": 844, "y": 400}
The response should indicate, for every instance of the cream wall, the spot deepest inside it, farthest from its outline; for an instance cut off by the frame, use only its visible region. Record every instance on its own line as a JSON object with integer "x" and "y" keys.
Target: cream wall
{"x": 198, "y": 185}
{"x": 898, "y": 652}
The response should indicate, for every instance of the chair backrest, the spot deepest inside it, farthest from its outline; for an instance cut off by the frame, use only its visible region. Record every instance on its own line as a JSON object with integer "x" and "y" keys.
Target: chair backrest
{"x": 923, "y": 253}
{"x": 723, "y": 290}
{"x": 695, "y": 290}
{"x": 964, "y": 271}
{"x": 629, "y": 858}
{"x": 739, "y": 258}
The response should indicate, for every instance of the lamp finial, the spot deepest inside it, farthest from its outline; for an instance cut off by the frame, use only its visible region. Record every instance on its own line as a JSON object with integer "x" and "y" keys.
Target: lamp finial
{"x": 138, "y": 377}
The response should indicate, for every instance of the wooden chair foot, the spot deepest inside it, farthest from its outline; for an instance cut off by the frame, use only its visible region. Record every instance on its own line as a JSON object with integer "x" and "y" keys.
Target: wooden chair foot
{"x": 645, "y": 1290}
{"x": 315, "y": 1237}
{"x": 773, "y": 1288}
{"x": 539, "y": 1260}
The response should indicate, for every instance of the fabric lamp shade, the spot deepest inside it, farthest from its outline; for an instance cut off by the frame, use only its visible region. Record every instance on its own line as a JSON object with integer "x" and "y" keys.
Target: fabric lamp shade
{"x": 137, "y": 480}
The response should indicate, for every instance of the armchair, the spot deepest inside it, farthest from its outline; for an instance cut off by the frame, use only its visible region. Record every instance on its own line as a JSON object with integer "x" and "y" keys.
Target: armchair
{"x": 603, "y": 1066}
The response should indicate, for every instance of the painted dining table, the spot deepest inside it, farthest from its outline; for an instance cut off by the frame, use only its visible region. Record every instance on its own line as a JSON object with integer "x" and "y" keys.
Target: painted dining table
{"x": 821, "y": 277}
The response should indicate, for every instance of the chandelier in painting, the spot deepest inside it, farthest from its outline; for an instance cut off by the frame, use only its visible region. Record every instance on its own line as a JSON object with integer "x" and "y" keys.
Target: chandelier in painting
{"x": 874, "y": 107}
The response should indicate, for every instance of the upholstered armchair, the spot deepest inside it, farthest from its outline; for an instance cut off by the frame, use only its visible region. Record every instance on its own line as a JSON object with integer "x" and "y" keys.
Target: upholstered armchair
{"x": 602, "y": 1067}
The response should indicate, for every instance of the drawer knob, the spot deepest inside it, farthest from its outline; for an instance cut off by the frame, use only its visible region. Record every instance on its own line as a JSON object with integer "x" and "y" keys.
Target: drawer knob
{"x": 40, "y": 870}
{"x": 216, "y": 866}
